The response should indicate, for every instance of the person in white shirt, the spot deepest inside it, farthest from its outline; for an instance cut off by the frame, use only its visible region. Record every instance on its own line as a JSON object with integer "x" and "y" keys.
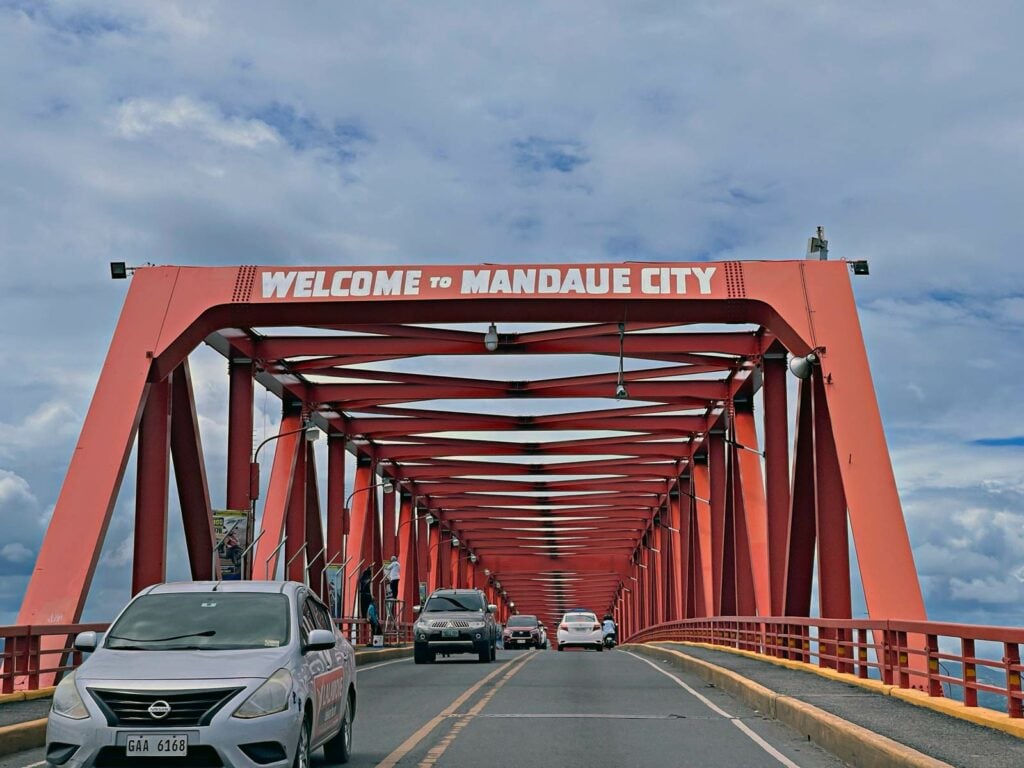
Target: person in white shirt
{"x": 394, "y": 570}
{"x": 608, "y": 627}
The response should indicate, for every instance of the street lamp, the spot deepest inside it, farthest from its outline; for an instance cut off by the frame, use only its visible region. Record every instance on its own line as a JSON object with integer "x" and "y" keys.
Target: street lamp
{"x": 312, "y": 433}
{"x": 388, "y": 487}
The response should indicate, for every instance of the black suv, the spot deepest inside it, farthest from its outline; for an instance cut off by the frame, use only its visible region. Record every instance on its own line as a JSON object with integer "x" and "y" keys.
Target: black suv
{"x": 454, "y": 621}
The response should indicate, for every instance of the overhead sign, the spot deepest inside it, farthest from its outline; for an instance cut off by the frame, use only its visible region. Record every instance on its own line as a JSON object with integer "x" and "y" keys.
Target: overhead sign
{"x": 639, "y": 280}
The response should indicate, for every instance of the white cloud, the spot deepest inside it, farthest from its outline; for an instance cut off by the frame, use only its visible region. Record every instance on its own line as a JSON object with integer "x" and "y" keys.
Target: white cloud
{"x": 142, "y": 117}
{"x": 16, "y": 553}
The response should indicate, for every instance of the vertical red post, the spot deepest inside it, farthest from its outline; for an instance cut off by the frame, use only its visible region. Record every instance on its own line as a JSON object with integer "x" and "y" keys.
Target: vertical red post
{"x": 436, "y": 580}
{"x": 802, "y": 532}
{"x": 680, "y": 553}
{"x": 357, "y": 544}
{"x": 422, "y": 552}
{"x": 387, "y": 527}
{"x": 295, "y": 520}
{"x": 335, "y": 498}
{"x": 316, "y": 549}
{"x": 656, "y": 560}
{"x": 149, "y": 565}
{"x": 776, "y": 464}
{"x": 240, "y": 398}
{"x": 406, "y": 555}
{"x": 716, "y": 471}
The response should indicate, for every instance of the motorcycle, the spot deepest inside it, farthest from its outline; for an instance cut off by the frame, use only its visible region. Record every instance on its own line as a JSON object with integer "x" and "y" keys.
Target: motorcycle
{"x": 609, "y": 640}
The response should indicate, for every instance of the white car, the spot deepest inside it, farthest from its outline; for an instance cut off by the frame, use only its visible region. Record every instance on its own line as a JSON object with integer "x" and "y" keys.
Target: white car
{"x": 580, "y": 628}
{"x": 202, "y": 673}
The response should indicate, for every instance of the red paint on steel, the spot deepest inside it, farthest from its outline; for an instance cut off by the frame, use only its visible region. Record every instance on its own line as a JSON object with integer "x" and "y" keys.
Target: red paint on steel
{"x": 149, "y": 562}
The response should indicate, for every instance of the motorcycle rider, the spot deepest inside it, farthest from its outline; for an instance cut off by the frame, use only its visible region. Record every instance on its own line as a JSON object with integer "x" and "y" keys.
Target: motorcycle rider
{"x": 609, "y": 630}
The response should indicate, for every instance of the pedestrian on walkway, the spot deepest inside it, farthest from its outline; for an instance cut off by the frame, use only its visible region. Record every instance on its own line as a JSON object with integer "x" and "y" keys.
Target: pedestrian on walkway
{"x": 365, "y": 590}
{"x": 394, "y": 574}
{"x": 371, "y": 616}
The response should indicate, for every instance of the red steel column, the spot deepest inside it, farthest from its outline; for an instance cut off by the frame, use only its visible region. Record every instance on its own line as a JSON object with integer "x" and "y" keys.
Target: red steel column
{"x": 657, "y": 560}
{"x": 422, "y": 551}
{"x": 444, "y": 559}
{"x": 680, "y": 552}
{"x": 406, "y": 555}
{"x": 387, "y": 527}
{"x": 190, "y": 475}
{"x": 702, "y": 538}
{"x": 776, "y": 463}
{"x": 833, "y": 541}
{"x": 435, "y": 581}
{"x": 716, "y": 467}
{"x": 278, "y": 493}
{"x": 336, "y": 518}
{"x": 800, "y": 557}
{"x": 357, "y": 543}
{"x": 752, "y": 504}
{"x": 240, "y": 394}
{"x": 295, "y": 520}
{"x": 149, "y": 564}
{"x": 316, "y": 549}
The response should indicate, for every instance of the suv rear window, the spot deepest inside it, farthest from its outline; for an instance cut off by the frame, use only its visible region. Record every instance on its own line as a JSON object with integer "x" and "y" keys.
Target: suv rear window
{"x": 522, "y": 621}
{"x": 450, "y": 602}
{"x": 207, "y": 621}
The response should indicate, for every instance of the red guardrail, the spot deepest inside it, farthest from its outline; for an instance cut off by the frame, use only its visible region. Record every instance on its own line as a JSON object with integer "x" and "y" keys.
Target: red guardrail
{"x": 24, "y": 658}
{"x": 896, "y": 652}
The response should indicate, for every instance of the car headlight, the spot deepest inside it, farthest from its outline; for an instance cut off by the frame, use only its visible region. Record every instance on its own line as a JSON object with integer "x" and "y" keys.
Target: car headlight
{"x": 476, "y": 624}
{"x": 269, "y": 698}
{"x": 67, "y": 701}
{"x": 421, "y": 626}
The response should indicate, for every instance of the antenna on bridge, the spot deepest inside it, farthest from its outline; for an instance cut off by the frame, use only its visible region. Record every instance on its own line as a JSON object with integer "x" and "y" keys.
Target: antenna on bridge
{"x": 817, "y": 246}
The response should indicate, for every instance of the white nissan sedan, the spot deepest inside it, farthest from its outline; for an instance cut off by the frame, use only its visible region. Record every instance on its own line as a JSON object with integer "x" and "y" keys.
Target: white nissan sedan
{"x": 209, "y": 674}
{"x": 580, "y": 628}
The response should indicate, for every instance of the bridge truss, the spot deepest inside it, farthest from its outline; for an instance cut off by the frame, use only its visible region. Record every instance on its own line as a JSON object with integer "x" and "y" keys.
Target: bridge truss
{"x": 614, "y": 436}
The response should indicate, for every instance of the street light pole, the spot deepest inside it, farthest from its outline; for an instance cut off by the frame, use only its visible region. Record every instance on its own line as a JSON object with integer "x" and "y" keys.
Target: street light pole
{"x": 312, "y": 432}
{"x": 388, "y": 486}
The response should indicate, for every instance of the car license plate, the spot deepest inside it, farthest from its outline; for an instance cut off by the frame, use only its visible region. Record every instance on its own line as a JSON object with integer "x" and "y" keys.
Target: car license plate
{"x": 156, "y": 745}
{"x": 449, "y": 633}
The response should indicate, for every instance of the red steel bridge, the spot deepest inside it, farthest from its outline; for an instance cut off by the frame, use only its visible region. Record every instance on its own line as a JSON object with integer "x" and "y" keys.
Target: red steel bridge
{"x": 557, "y": 435}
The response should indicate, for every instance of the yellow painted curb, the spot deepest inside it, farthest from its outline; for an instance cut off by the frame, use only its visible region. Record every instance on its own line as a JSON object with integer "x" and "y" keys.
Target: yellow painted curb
{"x": 20, "y": 736}
{"x": 42, "y": 693}
{"x": 984, "y": 716}
{"x": 382, "y": 654}
{"x": 849, "y": 742}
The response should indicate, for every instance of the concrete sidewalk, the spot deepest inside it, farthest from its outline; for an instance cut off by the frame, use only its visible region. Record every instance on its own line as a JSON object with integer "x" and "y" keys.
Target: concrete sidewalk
{"x": 23, "y": 716}
{"x": 940, "y": 736}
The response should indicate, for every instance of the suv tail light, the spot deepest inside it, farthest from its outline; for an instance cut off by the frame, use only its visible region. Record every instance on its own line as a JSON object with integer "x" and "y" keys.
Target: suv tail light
{"x": 596, "y": 626}
{"x": 562, "y": 627}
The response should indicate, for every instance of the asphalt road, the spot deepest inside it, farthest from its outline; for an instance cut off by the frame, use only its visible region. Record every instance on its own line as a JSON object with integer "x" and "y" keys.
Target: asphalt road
{"x": 543, "y": 708}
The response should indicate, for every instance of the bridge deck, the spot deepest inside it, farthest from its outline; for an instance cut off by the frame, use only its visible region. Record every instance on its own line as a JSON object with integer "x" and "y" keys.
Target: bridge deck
{"x": 589, "y": 678}
{"x": 945, "y": 738}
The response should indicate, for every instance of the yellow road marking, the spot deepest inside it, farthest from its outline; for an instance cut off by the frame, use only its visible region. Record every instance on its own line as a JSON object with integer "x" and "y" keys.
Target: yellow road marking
{"x": 435, "y": 754}
{"x": 409, "y": 744}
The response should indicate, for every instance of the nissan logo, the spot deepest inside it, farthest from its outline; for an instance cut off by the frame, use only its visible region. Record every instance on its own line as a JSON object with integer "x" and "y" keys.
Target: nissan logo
{"x": 159, "y": 709}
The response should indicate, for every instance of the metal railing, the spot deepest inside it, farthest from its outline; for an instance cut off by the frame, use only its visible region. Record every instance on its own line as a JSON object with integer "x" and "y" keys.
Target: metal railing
{"x": 24, "y": 658}
{"x": 908, "y": 654}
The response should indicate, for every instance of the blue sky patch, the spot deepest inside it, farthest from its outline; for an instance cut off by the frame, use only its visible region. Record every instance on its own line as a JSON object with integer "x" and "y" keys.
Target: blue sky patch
{"x": 303, "y": 132}
{"x": 538, "y": 155}
{"x": 1000, "y": 442}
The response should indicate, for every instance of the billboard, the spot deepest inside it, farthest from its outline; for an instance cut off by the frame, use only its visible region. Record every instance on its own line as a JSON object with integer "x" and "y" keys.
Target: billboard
{"x": 232, "y": 534}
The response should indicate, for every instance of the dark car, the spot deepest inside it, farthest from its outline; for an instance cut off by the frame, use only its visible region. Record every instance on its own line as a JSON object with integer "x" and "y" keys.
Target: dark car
{"x": 455, "y": 621}
{"x": 523, "y": 632}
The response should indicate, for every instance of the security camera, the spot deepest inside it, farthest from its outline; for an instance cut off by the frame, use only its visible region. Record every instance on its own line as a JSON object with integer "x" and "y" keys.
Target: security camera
{"x": 620, "y": 392}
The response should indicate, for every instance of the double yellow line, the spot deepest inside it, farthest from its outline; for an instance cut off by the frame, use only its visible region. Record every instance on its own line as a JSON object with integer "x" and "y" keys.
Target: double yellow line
{"x": 510, "y": 668}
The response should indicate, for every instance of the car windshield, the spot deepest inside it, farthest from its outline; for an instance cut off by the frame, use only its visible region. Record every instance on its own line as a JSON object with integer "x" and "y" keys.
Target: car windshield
{"x": 522, "y": 621}
{"x": 571, "y": 618}
{"x": 206, "y": 621}
{"x": 468, "y": 602}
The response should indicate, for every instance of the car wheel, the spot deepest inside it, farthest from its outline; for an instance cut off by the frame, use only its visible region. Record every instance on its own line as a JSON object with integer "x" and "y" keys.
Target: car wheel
{"x": 561, "y": 647}
{"x": 421, "y": 655}
{"x": 600, "y": 647}
{"x": 494, "y": 652}
{"x": 302, "y": 749}
{"x": 339, "y": 748}
{"x": 483, "y": 654}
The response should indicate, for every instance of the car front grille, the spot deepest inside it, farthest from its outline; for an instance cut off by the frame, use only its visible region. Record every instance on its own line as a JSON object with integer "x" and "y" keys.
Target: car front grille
{"x": 187, "y": 708}
{"x": 445, "y": 623}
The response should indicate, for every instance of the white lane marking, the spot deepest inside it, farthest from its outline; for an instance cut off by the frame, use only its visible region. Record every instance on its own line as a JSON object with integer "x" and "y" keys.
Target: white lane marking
{"x": 34, "y": 765}
{"x": 378, "y": 666}
{"x": 583, "y": 715}
{"x": 735, "y": 721}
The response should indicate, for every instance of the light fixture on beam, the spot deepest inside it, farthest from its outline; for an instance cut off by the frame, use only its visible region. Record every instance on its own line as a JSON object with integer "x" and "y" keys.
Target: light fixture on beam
{"x": 491, "y": 338}
{"x": 621, "y": 393}
{"x": 801, "y": 367}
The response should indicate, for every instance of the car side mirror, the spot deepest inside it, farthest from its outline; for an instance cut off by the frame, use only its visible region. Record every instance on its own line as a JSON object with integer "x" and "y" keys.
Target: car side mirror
{"x": 319, "y": 640}
{"x": 492, "y": 608}
{"x": 416, "y": 608}
{"x": 86, "y": 641}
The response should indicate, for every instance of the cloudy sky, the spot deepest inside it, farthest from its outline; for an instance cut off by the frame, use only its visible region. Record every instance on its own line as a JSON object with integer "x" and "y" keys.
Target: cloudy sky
{"x": 258, "y": 133}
